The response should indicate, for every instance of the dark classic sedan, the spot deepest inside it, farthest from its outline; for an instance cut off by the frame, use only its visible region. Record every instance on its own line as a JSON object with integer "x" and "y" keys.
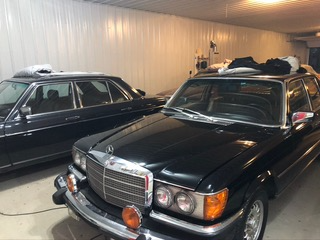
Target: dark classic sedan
{"x": 42, "y": 113}
{"x": 203, "y": 168}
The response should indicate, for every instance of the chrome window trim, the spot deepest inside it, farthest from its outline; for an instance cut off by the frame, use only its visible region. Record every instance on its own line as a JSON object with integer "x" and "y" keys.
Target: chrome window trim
{"x": 77, "y": 93}
{"x": 125, "y": 93}
{"x": 44, "y": 113}
{"x": 307, "y": 93}
{"x": 317, "y": 85}
{"x": 34, "y": 87}
{"x": 107, "y": 81}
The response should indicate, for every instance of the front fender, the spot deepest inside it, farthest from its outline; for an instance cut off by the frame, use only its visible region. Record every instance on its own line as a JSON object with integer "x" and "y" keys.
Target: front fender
{"x": 266, "y": 180}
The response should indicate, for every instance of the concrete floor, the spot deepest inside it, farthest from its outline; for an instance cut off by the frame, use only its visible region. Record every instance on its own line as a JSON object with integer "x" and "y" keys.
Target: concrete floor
{"x": 27, "y": 211}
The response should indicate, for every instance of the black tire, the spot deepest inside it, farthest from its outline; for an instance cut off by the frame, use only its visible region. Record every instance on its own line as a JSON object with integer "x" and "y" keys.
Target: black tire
{"x": 255, "y": 216}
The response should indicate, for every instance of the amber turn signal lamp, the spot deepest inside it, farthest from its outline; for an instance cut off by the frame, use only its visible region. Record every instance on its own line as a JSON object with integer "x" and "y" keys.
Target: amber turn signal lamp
{"x": 131, "y": 217}
{"x": 72, "y": 183}
{"x": 215, "y": 204}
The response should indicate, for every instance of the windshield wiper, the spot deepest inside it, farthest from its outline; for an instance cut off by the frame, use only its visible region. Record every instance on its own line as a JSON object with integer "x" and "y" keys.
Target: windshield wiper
{"x": 190, "y": 113}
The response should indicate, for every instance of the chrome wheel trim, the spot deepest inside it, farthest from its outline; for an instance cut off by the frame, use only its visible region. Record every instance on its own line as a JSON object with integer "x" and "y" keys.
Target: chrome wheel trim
{"x": 254, "y": 221}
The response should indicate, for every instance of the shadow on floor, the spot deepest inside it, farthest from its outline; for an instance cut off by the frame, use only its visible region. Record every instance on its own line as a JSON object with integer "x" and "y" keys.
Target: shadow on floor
{"x": 34, "y": 172}
{"x": 69, "y": 228}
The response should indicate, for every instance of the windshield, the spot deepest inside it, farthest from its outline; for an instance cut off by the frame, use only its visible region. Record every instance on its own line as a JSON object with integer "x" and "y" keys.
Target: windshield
{"x": 253, "y": 101}
{"x": 10, "y": 92}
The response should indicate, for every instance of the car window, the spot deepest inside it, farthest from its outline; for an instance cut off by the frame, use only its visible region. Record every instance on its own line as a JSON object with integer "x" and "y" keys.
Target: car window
{"x": 194, "y": 93}
{"x": 313, "y": 91}
{"x": 233, "y": 99}
{"x": 93, "y": 93}
{"x": 50, "y": 98}
{"x": 10, "y": 92}
{"x": 116, "y": 94}
{"x": 298, "y": 98}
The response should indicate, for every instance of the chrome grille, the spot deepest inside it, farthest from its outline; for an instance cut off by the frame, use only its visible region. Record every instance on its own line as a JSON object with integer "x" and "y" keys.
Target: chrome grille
{"x": 116, "y": 187}
{"x": 95, "y": 177}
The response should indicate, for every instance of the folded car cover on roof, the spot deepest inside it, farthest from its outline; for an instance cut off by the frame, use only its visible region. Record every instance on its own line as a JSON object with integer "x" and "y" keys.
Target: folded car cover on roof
{"x": 35, "y": 71}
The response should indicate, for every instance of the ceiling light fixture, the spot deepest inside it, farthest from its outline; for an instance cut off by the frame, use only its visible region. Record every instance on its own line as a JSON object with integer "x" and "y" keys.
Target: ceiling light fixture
{"x": 268, "y": 1}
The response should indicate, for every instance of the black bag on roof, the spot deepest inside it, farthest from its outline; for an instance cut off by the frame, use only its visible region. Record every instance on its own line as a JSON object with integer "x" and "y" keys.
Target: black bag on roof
{"x": 244, "y": 62}
{"x": 275, "y": 66}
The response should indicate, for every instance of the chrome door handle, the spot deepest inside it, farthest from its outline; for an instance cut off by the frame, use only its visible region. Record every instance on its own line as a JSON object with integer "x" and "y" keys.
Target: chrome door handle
{"x": 72, "y": 118}
{"x": 126, "y": 109}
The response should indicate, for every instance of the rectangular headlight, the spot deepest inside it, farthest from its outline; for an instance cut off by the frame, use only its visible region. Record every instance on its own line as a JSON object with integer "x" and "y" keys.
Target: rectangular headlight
{"x": 79, "y": 158}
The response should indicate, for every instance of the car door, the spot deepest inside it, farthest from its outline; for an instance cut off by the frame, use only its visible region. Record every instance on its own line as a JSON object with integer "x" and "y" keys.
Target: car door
{"x": 49, "y": 130}
{"x": 304, "y": 137}
{"x": 132, "y": 108}
{"x": 4, "y": 158}
{"x": 103, "y": 105}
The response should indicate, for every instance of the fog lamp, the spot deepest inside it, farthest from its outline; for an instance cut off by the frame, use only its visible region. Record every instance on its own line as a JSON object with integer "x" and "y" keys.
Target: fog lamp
{"x": 131, "y": 217}
{"x": 72, "y": 183}
{"x": 215, "y": 204}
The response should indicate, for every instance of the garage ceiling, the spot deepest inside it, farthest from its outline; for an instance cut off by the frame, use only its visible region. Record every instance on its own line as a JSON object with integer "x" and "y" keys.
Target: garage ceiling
{"x": 297, "y": 17}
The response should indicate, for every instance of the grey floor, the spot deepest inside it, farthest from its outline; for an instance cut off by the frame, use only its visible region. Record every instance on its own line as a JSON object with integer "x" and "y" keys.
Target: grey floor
{"x": 27, "y": 211}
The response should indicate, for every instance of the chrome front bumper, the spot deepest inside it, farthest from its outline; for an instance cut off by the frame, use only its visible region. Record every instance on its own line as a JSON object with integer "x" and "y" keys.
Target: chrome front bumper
{"x": 114, "y": 226}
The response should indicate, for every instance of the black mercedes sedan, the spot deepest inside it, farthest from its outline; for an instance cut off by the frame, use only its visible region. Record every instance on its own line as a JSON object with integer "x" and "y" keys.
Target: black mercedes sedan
{"x": 42, "y": 112}
{"x": 203, "y": 168}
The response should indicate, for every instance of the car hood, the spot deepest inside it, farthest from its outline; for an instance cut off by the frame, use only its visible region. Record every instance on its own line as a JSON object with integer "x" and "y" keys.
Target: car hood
{"x": 180, "y": 151}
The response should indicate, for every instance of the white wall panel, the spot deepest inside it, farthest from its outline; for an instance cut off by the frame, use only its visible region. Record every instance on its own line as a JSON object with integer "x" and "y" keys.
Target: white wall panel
{"x": 150, "y": 51}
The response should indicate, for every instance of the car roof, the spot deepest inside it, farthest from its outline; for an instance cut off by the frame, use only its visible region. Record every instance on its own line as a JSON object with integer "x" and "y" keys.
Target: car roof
{"x": 259, "y": 76}
{"x": 59, "y": 76}
{"x": 39, "y": 73}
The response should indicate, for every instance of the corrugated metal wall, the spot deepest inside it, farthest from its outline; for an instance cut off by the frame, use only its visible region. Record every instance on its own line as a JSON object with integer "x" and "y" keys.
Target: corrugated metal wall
{"x": 150, "y": 51}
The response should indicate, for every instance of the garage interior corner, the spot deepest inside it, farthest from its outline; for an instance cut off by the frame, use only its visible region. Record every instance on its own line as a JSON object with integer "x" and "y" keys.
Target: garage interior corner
{"x": 27, "y": 210}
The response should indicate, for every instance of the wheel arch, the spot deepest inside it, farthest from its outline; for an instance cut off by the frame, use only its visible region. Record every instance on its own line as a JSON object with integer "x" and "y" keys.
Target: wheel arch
{"x": 265, "y": 181}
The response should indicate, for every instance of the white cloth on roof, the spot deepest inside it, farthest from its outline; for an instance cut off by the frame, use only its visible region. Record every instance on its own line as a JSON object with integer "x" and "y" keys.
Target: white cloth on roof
{"x": 35, "y": 71}
{"x": 226, "y": 71}
{"x": 293, "y": 61}
{"x": 224, "y": 64}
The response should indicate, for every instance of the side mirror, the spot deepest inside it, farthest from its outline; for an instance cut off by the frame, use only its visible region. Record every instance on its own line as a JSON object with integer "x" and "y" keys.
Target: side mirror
{"x": 143, "y": 93}
{"x": 25, "y": 111}
{"x": 302, "y": 117}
